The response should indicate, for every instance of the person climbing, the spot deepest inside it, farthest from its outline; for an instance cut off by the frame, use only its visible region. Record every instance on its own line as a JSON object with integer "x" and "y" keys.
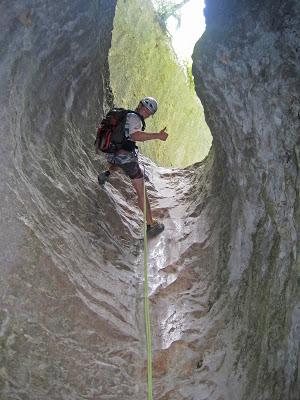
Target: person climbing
{"x": 126, "y": 157}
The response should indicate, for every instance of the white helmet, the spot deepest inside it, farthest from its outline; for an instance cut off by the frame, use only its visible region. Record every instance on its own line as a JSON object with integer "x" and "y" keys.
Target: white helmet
{"x": 150, "y": 103}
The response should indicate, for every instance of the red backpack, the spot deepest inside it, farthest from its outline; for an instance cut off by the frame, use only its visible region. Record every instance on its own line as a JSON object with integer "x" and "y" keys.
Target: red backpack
{"x": 111, "y": 132}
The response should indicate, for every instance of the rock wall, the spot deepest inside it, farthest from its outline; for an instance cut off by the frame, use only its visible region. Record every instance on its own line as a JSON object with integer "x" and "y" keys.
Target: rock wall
{"x": 247, "y": 75}
{"x": 49, "y": 55}
{"x": 61, "y": 326}
{"x": 224, "y": 275}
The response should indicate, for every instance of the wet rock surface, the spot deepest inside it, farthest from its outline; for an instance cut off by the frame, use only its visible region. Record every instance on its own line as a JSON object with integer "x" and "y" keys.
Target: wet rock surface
{"x": 223, "y": 276}
{"x": 247, "y": 74}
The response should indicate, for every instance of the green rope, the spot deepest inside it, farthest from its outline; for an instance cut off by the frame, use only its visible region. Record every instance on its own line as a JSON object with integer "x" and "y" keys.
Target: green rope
{"x": 146, "y": 306}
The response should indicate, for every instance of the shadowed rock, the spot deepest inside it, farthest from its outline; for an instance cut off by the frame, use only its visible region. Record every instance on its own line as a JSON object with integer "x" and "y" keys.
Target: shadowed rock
{"x": 223, "y": 276}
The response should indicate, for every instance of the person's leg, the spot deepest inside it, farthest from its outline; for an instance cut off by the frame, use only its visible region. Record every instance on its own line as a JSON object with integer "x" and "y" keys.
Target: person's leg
{"x": 133, "y": 171}
{"x": 138, "y": 185}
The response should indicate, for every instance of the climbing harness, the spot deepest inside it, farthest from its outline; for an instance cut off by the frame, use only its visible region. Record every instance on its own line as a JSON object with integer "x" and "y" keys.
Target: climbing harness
{"x": 146, "y": 305}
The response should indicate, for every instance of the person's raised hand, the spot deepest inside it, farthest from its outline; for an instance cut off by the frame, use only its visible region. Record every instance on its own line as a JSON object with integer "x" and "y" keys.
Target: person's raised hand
{"x": 163, "y": 134}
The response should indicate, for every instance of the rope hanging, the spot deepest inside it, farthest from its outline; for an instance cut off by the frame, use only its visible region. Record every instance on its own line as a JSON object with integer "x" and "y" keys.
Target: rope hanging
{"x": 146, "y": 305}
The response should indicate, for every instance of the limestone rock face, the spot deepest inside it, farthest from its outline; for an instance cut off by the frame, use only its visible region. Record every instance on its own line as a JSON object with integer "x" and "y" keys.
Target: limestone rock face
{"x": 247, "y": 74}
{"x": 51, "y": 58}
{"x": 223, "y": 276}
{"x": 53, "y": 88}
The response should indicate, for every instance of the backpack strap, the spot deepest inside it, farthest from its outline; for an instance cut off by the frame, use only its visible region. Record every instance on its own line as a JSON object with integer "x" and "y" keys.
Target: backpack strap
{"x": 141, "y": 118}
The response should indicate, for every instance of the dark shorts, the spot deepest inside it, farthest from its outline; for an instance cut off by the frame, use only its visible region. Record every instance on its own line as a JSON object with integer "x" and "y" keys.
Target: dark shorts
{"x": 132, "y": 169}
{"x": 128, "y": 163}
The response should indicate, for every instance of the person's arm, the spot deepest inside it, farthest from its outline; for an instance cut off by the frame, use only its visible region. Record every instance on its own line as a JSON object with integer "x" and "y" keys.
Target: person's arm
{"x": 140, "y": 136}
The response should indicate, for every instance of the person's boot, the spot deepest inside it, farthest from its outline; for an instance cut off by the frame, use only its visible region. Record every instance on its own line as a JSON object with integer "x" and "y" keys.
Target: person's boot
{"x": 103, "y": 177}
{"x": 155, "y": 228}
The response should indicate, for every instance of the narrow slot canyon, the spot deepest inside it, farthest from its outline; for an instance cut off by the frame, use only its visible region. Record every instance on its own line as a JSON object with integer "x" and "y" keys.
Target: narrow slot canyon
{"x": 223, "y": 276}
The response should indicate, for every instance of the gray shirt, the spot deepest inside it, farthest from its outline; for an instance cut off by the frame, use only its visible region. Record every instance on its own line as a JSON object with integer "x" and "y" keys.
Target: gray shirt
{"x": 133, "y": 124}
